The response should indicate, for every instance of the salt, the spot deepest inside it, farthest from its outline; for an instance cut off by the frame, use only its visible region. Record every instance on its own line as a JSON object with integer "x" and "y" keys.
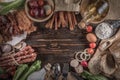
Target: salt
{"x": 104, "y": 31}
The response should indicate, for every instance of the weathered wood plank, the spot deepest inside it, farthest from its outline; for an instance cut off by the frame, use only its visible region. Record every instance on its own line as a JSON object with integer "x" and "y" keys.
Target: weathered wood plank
{"x": 57, "y": 46}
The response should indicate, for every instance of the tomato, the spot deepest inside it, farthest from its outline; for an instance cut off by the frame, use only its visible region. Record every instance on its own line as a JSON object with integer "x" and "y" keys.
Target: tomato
{"x": 84, "y": 63}
{"x": 92, "y": 45}
{"x": 89, "y": 29}
{"x": 90, "y": 51}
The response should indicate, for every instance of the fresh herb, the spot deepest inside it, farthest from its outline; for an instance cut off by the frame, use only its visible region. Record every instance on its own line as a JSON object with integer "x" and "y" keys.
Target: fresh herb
{"x": 14, "y": 5}
{"x": 20, "y": 71}
{"x": 90, "y": 76}
{"x": 3, "y": 4}
{"x": 34, "y": 67}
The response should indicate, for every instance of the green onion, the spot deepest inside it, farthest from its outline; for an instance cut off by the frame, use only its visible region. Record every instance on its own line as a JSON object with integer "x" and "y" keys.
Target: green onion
{"x": 21, "y": 69}
{"x": 90, "y": 76}
{"x": 34, "y": 67}
{"x": 5, "y": 3}
{"x": 11, "y": 6}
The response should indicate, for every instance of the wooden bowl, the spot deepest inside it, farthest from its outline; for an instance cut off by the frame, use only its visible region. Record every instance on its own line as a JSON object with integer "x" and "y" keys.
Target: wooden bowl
{"x": 39, "y": 19}
{"x": 83, "y": 7}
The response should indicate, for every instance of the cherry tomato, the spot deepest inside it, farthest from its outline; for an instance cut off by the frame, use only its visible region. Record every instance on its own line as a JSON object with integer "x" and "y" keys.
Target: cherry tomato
{"x": 89, "y": 29}
{"x": 90, "y": 51}
{"x": 92, "y": 45}
{"x": 84, "y": 63}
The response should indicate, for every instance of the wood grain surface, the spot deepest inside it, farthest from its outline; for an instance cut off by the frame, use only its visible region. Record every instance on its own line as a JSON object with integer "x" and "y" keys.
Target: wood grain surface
{"x": 57, "y": 46}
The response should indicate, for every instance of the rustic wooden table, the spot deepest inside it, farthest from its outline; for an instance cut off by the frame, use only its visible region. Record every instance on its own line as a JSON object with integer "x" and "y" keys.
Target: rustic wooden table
{"x": 57, "y": 46}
